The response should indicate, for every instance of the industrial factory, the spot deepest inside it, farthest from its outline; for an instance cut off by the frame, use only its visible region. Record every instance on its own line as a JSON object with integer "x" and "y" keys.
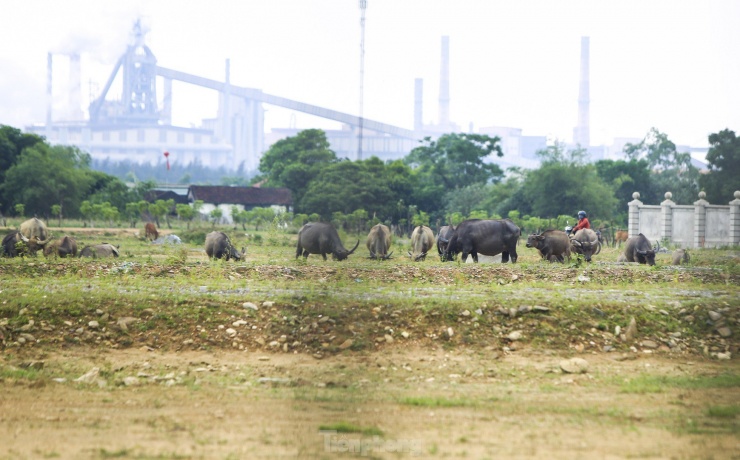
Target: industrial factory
{"x": 136, "y": 125}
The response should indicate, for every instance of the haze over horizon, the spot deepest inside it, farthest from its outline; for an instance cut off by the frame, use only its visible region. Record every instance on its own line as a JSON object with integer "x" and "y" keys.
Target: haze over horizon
{"x": 672, "y": 65}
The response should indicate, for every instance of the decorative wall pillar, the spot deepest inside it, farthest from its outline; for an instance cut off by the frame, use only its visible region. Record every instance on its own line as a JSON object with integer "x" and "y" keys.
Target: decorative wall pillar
{"x": 666, "y": 217}
{"x": 734, "y": 232}
{"x": 633, "y": 217}
{"x": 700, "y": 220}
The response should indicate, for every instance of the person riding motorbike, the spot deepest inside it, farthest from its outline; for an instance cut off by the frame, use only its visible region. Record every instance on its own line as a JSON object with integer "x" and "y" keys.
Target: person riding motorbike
{"x": 582, "y": 223}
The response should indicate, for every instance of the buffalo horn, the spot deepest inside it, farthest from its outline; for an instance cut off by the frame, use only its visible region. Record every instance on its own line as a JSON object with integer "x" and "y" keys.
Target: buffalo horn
{"x": 388, "y": 256}
{"x": 444, "y": 240}
{"x": 353, "y": 249}
{"x": 598, "y": 250}
{"x": 23, "y": 237}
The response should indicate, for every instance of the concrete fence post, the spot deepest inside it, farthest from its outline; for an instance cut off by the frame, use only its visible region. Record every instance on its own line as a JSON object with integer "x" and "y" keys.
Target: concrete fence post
{"x": 734, "y": 232}
{"x": 633, "y": 217}
{"x": 666, "y": 217}
{"x": 700, "y": 220}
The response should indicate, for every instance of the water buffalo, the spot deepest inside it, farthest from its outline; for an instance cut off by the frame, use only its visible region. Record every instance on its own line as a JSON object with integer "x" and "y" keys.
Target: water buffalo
{"x": 63, "y": 247}
{"x": 10, "y": 242}
{"x": 638, "y": 249}
{"x": 681, "y": 256}
{"x": 422, "y": 240}
{"x": 586, "y": 242}
{"x": 552, "y": 245}
{"x": 487, "y": 237}
{"x": 97, "y": 251}
{"x": 218, "y": 246}
{"x": 321, "y": 238}
{"x": 379, "y": 241}
{"x": 620, "y": 237}
{"x": 443, "y": 236}
{"x": 35, "y": 234}
{"x": 150, "y": 231}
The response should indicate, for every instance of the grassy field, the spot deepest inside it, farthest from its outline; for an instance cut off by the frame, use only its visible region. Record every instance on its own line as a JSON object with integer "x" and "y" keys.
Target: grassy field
{"x": 277, "y": 356}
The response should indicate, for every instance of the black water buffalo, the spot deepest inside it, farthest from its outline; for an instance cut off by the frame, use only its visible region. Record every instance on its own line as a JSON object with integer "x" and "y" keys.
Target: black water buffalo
{"x": 638, "y": 249}
{"x": 98, "y": 251}
{"x": 422, "y": 240}
{"x": 63, "y": 247}
{"x": 218, "y": 246}
{"x": 321, "y": 238}
{"x": 487, "y": 237}
{"x": 586, "y": 242}
{"x": 552, "y": 245}
{"x": 10, "y": 242}
{"x": 379, "y": 242}
{"x": 443, "y": 236}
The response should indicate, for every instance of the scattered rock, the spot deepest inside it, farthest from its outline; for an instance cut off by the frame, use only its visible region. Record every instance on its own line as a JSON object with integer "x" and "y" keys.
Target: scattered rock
{"x": 131, "y": 381}
{"x": 346, "y": 344}
{"x": 724, "y": 331}
{"x": 724, "y": 356}
{"x": 405, "y": 335}
{"x": 649, "y": 344}
{"x": 631, "y": 331}
{"x": 574, "y": 366}
{"x": 93, "y": 325}
{"x": 388, "y": 338}
{"x": 231, "y": 332}
{"x": 250, "y": 306}
{"x": 515, "y": 335}
{"x": 714, "y": 316}
{"x": 89, "y": 377}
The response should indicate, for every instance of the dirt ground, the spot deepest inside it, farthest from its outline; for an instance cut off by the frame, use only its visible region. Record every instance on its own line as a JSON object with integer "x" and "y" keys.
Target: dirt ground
{"x": 403, "y": 403}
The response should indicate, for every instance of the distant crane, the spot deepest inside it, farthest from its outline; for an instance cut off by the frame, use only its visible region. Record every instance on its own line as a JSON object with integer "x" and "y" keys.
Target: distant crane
{"x": 363, "y": 7}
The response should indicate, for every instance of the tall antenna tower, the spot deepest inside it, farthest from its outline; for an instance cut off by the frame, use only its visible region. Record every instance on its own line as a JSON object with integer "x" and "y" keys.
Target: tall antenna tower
{"x": 363, "y": 7}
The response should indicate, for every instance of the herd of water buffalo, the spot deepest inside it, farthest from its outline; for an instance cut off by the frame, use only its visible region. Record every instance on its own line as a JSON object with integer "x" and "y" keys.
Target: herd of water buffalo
{"x": 470, "y": 238}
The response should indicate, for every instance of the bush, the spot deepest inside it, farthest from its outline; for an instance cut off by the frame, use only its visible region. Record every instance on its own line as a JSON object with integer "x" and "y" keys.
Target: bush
{"x": 196, "y": 236}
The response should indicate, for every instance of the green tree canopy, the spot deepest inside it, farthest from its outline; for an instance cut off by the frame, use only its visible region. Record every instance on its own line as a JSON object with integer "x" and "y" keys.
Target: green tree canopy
{"x": 295, "y": 161}
{"x": 671, "y": 171}
{"x": 12, "y": 143}
{"x": 724, "y": 167}
{"x": 45, "y": 175}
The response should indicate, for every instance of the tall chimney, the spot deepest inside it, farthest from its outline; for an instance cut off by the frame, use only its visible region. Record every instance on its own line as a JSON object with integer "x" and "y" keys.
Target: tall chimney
{"x": 418, "y": 105}
{"x": 444, "y": 83}
{"x": 582, "y": 132}
{"x": 49, "y": 97}
{"x": 75, "y": 87}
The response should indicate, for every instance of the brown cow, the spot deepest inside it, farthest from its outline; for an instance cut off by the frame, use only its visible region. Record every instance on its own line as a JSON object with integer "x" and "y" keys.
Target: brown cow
{"x": 620, "y": 237}
{"x": 150, "y": 231}
{"x": 63, "y": 247}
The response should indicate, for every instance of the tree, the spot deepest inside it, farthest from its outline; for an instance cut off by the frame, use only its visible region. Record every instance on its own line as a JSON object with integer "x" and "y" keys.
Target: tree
{"x": 295, "y": 161}
{"x": 564, "y": 184}
{"x": 12, "y": 143}
{"x": 452, "y": 162}
{"x": 216, "y": 215}
{"x": 56, "y": 210}
{"x": 671, "y": 171}
{"x": 625, "y": 178}
{"x": 723, "y": 157}
{"x": 186, "y": 212}
{"x": 43, "y": 176}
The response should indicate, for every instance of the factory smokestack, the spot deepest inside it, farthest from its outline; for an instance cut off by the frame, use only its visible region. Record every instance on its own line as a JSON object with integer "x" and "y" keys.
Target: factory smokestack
{"x": 418, "y": 105}
{"x": 49, "y": 99}
{"x": 582, "y": 132}
{"x": 444, "y": 84}
{"x": 75, "y": 87}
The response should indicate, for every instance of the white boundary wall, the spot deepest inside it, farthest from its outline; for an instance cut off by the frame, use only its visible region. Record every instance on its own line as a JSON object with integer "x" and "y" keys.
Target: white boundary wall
{"x": 687, "y": 226}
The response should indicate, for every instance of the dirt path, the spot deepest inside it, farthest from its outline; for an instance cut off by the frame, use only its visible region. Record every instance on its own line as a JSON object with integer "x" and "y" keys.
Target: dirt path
{"x": 403, "y": 403}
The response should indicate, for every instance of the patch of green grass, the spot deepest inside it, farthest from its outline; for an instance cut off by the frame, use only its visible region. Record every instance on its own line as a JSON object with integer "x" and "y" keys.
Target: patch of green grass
{"x": 438, "y": 402}
{"x": 346, "y": 427}
{"x": 643, "y": 384}
{"x": 19, "y": 374}
{"x": 723, "y": 411}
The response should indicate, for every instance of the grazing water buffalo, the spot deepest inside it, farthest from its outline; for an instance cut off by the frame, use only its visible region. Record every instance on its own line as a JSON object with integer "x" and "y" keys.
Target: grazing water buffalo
{"x": 379, "y": 242}
{"x": 681, "y": 256}
{"x": 9, "y": 244}
{"x": 586, "y": 242}
{"x": 638, "y": 249}
{"x": 218, "y": 246}
{"x": 150, "y": 231}
{"x": 63, "y": 247}
{"x": 98, "y": 251}
{"x": 34, "y": 234}
{"x": 552, "y": 245}
{"x": 443, "y": 237}
{"x": 422, "y": 240}
{"x": 487, "y": 237}
{"x": 321, "y": 238}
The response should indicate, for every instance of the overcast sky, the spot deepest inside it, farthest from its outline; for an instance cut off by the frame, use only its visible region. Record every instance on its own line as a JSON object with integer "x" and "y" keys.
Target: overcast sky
{"x": 673, "y": 65}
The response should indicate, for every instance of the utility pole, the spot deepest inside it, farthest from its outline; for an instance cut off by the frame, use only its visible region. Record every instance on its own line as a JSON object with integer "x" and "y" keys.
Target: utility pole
{"x": 363, "y": 7}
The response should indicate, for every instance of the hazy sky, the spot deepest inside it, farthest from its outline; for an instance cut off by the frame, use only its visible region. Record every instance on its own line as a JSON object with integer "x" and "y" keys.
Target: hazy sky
{"x": 673, "y": 65}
